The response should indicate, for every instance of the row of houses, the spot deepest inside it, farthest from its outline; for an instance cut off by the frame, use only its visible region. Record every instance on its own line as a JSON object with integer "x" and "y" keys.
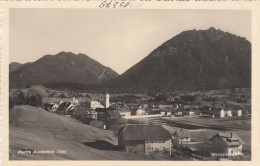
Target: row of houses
{"x": 155, "y": 138}
{"x": 135, "y": 109}
{"x": 62, "y": 107}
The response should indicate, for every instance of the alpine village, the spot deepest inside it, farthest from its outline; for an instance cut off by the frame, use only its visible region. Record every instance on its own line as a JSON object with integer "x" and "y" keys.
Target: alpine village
{"x": 189, "y": 99}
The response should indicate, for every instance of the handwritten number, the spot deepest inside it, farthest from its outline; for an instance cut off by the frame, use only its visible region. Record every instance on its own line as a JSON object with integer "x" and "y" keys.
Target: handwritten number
{"x": 115, "y": 4}
{"x": 102, "y": 4}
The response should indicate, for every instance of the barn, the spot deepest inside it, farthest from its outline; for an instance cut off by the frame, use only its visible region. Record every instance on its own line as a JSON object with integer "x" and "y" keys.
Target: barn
{"x": 144, "y": 139}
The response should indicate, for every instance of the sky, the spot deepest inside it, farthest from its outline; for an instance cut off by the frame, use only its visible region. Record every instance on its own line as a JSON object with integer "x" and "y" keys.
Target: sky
{"x": 116, "y": 38}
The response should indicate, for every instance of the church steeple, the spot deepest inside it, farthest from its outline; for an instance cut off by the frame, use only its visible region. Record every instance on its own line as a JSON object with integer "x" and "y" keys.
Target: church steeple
{"x": 106, "y": 102}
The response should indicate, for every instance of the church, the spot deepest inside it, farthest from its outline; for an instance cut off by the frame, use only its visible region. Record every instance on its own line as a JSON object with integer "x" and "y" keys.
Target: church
{"x": 105, "y": 103}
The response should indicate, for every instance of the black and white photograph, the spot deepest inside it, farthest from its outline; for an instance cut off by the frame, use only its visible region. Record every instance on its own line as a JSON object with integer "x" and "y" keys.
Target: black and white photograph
{"x": 136, "y": 84}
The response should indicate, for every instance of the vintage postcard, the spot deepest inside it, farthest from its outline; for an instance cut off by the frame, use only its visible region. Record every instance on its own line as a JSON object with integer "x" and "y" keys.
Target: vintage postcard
{"x": 129, "y": 82}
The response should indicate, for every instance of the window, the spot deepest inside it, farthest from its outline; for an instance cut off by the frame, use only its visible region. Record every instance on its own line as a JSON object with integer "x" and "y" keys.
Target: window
{"x": 152, "y": 148}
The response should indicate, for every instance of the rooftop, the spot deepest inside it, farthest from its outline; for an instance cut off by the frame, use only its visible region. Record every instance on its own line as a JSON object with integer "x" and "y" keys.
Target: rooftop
{"x": 230, "y": 138}
{"x": 145, "y": 132}
{"x": 122, "y": 110}
{"x": 113, "y": 114}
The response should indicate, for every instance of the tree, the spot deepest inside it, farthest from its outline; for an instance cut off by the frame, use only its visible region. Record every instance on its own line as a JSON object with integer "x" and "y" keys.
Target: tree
{"x": 21, "y": 98}
{"x": 62, "y": 95}
{"x": 35, "y": 100}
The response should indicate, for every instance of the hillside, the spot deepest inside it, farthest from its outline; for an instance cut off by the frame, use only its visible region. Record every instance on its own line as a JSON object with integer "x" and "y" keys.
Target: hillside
{"x": 63, "y": 67}
{"x": 32, "y": 129}
{"x": 192, "y": 60}
{"x": 14, "y": 66}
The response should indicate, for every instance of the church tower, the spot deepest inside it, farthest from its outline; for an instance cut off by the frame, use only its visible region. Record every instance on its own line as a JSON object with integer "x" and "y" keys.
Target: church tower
{"x": 106, "y": 102}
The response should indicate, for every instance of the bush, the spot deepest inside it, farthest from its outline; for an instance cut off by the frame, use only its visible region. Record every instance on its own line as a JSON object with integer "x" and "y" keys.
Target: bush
{"x": 35, "y": 100}
{"x": 17, "y": 100}
{"x": 79, "y": 114}
{"x": 97, "y": 124}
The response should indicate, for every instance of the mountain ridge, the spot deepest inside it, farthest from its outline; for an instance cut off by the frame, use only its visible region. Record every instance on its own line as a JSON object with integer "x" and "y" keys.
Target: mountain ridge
{"x": 62, "y": 67}
{"x": 192, "y": 60}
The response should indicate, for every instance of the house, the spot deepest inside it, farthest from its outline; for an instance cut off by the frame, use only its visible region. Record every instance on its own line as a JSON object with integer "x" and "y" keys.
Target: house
{"x": 112, "y": 114}
{"x": 140, "y": 112}
{"x": 191, "y": 113}
{"x": 113, "y": 118}
{"x": 65, "y": 108}
{"x": 219, "y": 112}
{"x": 228, "y": 143}
{"x": 237, "y": 113}
{"x": 164, "y": 106}
{"x": 124, "y": 112}
{"x": 75, "y": 101}
{"x": 183, "y": 138}
{"x": 50, "y": 106}
{"x": 144, "y": 139}
{"x": 168, "y": 113}
{"x": 229, "y": 113}
{"x": 91, "y": 114}
{"x": 193, "y": 147}
{"x": 204, "y": 115}
{"x": 178, "y": 114}
{"x": 163, "y": 113}
{"x": 95, "y": 104}
{"x": 222, "y": 113}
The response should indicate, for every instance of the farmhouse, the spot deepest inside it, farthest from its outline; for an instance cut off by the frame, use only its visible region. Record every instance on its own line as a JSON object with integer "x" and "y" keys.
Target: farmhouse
{"x": 144, "y": 139}
{"x": 229, "y": 144}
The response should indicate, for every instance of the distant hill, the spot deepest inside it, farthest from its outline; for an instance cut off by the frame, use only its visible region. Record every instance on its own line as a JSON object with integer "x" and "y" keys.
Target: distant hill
{"x": 63, "y": 67}
{"x": 14, "y": 66}
{"x": 192, "y": 60}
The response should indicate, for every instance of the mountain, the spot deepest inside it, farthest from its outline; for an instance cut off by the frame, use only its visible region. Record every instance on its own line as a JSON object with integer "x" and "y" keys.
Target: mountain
{"x": 192, "y": 60}
{"x": 14, "y": 66}
{"x": 65, "y": 67}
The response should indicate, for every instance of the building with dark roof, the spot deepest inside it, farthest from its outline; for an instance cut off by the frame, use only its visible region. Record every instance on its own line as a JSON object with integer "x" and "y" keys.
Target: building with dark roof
{"x": 112, "y": 114}
{"x": 112, "y": 119}
{"x": 65, "y": 108}
{"x": 144, "y": 139}
{"x": 228, "y": 143}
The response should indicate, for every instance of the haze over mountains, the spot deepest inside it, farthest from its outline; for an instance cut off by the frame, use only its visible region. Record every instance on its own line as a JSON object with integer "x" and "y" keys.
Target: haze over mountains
{"x": 192, "y": 60}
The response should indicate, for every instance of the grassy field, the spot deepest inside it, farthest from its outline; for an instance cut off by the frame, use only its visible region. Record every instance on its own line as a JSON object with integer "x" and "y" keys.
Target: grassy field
{"x": 33, "y": 129}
